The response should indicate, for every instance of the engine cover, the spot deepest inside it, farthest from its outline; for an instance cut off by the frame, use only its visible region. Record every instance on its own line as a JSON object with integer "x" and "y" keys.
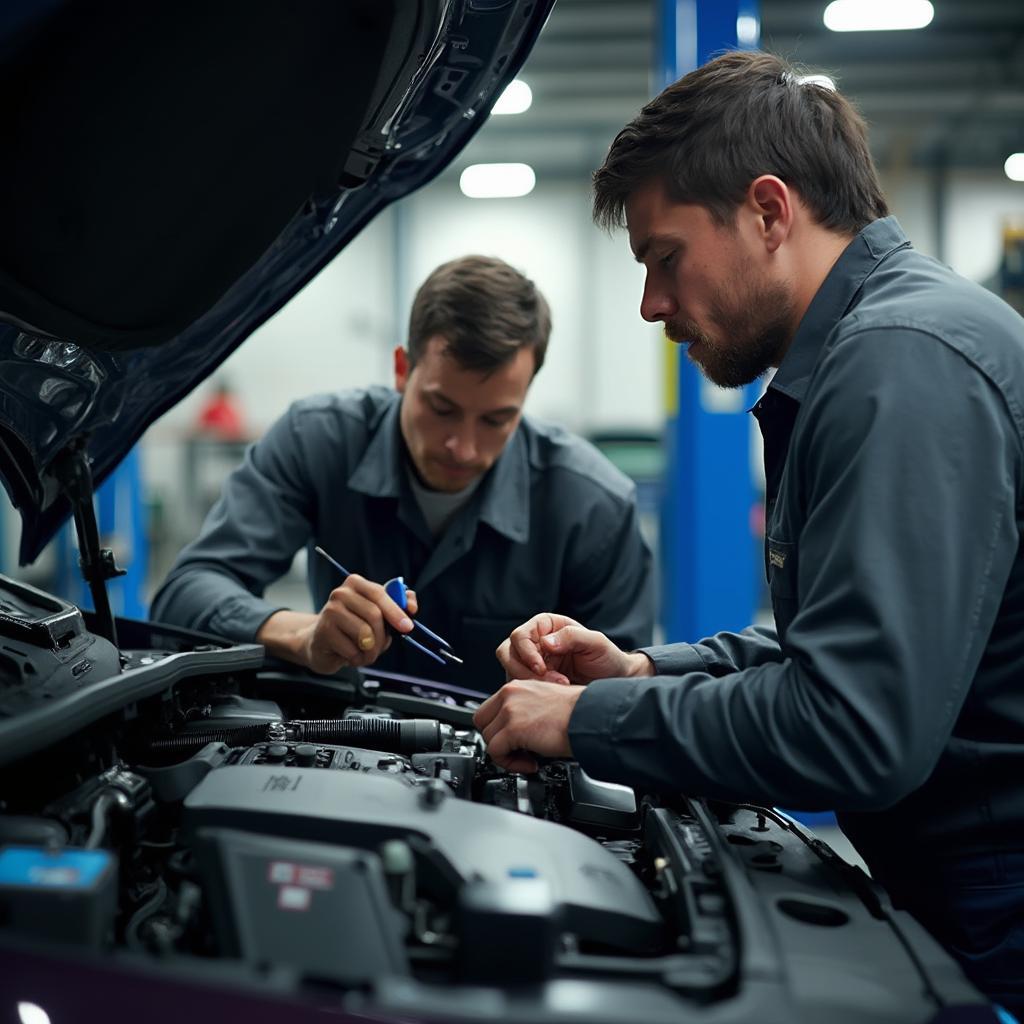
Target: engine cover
{"x": 601, "y": 899}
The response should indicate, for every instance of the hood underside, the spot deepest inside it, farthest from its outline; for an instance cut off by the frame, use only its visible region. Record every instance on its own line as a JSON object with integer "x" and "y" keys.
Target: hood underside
{"x": 174, "y": 173}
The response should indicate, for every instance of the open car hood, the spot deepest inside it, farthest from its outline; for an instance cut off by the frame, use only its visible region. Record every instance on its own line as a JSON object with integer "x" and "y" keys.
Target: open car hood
{"x": 174, "y": 173}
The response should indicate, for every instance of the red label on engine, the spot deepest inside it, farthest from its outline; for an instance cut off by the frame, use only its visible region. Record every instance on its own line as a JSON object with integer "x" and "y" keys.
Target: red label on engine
{"x": 314, "y": 877}
{"x": 309, "y": 876}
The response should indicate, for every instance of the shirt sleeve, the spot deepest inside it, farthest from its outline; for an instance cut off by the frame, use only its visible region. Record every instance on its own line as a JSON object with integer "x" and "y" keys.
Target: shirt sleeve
{"x": 908, "y": 468}
{"x": 263, "y": 516}
{"x": 718, "y": 655}
{"x": 609, "y": 584}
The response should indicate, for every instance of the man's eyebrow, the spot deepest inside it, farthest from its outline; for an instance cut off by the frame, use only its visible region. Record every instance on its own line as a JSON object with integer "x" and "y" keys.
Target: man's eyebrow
{"x": 438, "y": 393}
{"x": 505, "y": 410}
{"x": 644, "y": 247}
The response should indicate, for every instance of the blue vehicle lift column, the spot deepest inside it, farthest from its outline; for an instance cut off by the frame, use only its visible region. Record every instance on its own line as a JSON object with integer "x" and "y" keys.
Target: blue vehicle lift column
{"x": 709, "y": 564}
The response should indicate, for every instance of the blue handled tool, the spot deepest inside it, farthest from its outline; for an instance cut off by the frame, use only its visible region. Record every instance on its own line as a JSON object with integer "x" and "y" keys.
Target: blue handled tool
{"x": 396, "y": 591}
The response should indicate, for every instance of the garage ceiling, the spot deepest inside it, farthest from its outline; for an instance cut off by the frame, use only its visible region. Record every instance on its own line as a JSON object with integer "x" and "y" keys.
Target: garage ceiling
{"x": 951, "y": 94}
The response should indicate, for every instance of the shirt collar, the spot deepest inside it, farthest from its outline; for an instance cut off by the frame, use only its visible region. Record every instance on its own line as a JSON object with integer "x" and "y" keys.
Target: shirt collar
{"x": 377, "y": 473}
{"x": 503, "y": 499}
{"x": 505, "y": 506}
{"x": 874, "y": 243}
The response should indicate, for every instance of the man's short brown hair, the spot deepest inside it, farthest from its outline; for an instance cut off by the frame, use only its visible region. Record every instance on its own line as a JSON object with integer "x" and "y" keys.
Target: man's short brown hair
{"x": 741, "y": 115}
{"x": 485, "y": 310}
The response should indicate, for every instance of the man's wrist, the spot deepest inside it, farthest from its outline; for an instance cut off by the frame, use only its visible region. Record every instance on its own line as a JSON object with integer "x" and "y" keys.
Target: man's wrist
{"x": 283, "y": 634}
{"x": 639, "y": 666}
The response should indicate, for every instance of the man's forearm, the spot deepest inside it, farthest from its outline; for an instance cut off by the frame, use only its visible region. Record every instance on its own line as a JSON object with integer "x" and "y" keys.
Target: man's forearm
{"x": 719, "y": 655}
{"x": 284, "y": 635}
{"x": 207, "y": 599}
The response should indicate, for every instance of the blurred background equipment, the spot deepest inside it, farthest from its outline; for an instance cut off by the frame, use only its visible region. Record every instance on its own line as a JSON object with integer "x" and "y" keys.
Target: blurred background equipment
{"x": 1011, "y": 269}
{"x": 221, "y": 417}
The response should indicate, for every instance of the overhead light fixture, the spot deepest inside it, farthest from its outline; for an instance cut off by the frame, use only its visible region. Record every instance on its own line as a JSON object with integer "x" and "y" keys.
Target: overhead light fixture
{"x": 1014, "y": 167}
{"x": 748, "y": 30}
{"x": 497, "y": 181}
{"x": 877, "y": 15}
{"x": 516, "y": 98}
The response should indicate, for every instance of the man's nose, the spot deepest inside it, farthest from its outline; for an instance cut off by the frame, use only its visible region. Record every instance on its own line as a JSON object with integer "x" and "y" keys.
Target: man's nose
{"x": 657, "y": 303}
{"x": 461, "y": 444}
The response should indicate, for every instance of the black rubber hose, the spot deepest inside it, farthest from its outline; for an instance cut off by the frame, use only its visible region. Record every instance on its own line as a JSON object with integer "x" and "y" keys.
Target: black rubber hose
{"x": 411, "y": 736}
{"x": 109, "y": 803}
{"x": 143, "y": 914}
{"x": 243, "y": 736}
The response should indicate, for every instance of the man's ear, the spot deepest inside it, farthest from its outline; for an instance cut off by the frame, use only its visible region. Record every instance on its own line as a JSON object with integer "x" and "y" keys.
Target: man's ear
{"x": 773, "y": 203}
{"x": 401, "y": 369}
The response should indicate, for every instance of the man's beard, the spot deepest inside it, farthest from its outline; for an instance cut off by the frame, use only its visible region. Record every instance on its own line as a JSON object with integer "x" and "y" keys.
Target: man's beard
{"x": 756, "y": 332}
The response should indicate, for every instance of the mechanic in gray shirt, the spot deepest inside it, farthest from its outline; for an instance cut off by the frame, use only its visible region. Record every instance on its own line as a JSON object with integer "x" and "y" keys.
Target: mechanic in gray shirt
{"x": 442, "y": 481}
{"x": 892, "y": 686}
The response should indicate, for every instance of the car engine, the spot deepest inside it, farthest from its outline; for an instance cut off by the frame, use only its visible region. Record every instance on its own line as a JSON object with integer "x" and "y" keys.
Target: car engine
{"x": 177, "y": 807}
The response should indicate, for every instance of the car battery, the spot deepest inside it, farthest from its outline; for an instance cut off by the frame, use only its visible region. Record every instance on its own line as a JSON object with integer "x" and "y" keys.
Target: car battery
{"x": 62, "y": 894}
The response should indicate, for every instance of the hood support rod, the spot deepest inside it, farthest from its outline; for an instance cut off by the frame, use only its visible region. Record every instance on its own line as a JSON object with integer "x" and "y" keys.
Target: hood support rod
{"x": 97, "y": 564}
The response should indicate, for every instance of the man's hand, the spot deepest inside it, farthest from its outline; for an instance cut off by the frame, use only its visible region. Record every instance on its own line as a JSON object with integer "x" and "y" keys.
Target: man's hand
{"x": 558, "y": 649}
{"x": 527, "y": 717}
{"x": 351, "y": 628}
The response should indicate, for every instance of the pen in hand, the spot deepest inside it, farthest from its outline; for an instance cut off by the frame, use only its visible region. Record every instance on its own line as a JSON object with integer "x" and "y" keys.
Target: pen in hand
{"x": 396, "y": 591}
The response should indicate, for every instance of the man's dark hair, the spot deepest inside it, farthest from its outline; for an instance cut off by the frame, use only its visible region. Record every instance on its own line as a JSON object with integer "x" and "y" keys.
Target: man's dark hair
{"x": 741, "y": 115}
{"x": 485, "y": 310}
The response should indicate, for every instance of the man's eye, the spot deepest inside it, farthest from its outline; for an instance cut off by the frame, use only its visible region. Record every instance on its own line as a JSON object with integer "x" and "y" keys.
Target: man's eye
{"x": 668, "y": 259}
{"x": 497, "y": 424}
{"x": 438, "y": 411}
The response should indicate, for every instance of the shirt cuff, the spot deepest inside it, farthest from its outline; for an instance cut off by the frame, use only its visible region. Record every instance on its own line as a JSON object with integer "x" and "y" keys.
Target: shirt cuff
{"x": 675, "y": 659}
{"x": 239, "y": 618}
{"x": 594, "y": 721}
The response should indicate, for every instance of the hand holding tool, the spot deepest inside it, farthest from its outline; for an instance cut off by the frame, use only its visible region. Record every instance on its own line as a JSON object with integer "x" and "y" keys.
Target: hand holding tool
{"x": 395, "y": 589}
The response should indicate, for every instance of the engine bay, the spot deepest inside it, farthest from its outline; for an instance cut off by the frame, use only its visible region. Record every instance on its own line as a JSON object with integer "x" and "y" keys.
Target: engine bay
{"x": 178, "y": 806}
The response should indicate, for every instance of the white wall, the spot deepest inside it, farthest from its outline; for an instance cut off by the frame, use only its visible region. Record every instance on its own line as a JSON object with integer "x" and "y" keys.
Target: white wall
{"x": 337, "y": 332}
{"x": 977, "y": 206}
{"x": 602, "y": 368}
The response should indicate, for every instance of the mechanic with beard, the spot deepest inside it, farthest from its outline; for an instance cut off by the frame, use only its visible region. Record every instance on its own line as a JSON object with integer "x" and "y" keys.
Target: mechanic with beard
{"x": 892, "y": 686}
{"x": 442, "y": 481}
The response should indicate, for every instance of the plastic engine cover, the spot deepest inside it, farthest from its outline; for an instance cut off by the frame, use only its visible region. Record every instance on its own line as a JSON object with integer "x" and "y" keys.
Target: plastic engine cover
{"x": 601, "y": 899}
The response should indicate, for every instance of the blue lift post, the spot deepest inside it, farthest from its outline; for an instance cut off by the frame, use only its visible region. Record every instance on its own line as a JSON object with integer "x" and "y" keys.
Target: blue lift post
{"x": 709, "y": 574}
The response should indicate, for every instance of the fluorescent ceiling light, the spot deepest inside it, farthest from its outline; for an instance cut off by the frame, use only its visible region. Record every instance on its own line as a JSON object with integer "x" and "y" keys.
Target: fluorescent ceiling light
{"x": 877, "y": 15}
{"x": 748, "y": 30}
{"x": 1014, "y": 167}
{"x": 516, "y": 98}
{"x": 497, "y": 181}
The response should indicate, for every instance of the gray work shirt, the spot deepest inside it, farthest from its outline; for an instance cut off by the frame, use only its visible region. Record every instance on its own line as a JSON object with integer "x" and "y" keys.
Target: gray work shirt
{"x": 553, "y": 526}
{"x": 892, "y": 688}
